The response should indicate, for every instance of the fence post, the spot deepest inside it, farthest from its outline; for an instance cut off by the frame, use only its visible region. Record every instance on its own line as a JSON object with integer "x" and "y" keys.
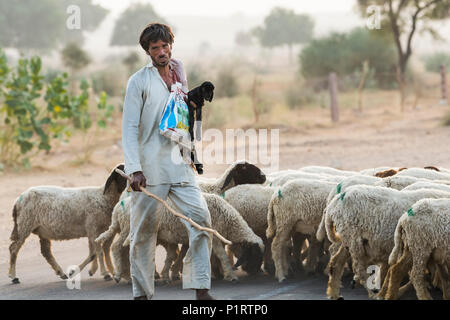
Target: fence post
{"x": 444, "y": 100}
{"x": 332, "y": 81}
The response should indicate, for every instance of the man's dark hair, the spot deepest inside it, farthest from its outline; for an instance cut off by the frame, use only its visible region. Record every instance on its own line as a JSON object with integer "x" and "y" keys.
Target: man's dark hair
{"x": 154, "y": 32}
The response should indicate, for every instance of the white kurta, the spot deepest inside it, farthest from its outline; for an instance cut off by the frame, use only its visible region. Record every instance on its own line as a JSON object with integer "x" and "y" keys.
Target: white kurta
{"x": 145, "y": 149}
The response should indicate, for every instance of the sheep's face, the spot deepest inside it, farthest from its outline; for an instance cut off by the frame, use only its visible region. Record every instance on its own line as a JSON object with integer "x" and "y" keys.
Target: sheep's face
{"x": 250, "y": 258}
{"x": 245, "y": 173}
{"x": 119, "y": 181}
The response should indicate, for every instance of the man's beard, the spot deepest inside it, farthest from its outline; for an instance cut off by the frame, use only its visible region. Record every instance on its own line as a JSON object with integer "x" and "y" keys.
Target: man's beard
{"x": 157, "y": 64}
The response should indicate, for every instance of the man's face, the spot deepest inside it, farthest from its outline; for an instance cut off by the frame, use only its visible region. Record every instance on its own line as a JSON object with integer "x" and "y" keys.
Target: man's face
{"x": 160, "y": 52}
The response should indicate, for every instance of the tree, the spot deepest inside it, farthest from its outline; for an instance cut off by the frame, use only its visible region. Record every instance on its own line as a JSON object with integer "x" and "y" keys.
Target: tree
{"x": 404, "y": 19}
{"x": 131, "y": 22}
{"x": 284, "y": 27}
{"x": 346, "y": 53}
{"x": 41, "y": 25}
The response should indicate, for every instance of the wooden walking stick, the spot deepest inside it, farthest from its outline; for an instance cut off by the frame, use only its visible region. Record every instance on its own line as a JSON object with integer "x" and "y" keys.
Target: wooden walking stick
{"x": 179, "y": 215}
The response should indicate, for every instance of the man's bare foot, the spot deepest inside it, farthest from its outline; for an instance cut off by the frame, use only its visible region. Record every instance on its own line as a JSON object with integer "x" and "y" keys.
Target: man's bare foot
{"x": 141, "y": 298}
{"x": 203, "y": 294}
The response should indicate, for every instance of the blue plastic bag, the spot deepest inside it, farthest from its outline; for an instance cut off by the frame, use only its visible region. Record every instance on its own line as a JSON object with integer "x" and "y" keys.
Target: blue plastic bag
{"x": 175, "y": 120}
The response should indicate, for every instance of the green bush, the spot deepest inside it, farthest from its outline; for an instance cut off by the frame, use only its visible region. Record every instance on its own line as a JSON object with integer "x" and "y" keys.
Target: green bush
{"x": 109, "y": 80}
{"x": 25, "y": 124}
{"x": 434, "y": 61}
{"x": 296, "y": 97}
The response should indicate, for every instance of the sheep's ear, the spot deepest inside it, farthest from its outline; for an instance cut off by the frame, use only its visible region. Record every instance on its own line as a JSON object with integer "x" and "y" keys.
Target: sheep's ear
{"x": 121, "y": 182}
{"x": 227, "y": 181}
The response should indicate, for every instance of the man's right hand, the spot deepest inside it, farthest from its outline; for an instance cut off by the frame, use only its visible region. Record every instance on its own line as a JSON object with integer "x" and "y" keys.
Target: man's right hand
{"x": 138, "y": 180}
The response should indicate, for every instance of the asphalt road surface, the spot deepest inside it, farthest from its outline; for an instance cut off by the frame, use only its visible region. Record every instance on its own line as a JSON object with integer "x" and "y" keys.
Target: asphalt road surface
{"x": 39, "y": 282}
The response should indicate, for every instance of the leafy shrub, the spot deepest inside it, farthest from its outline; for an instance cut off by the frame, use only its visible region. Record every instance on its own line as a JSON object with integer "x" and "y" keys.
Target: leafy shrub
{"x": 434, "y": 61}
{"x": 226, "y": 84}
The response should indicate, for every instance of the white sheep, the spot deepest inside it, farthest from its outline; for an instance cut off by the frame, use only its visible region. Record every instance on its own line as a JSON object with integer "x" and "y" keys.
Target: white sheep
{"x": 363, "y": 219}
{"x": 55, "y": 213}
{"x": 422, "y": 234}
{"x": 252, "y": 201}
{"x": 297, "y": 206}
{"x": 224, "y": 218}
{"x": 328, "y": 171}
{"x": 441, "y": 185}
{"x": 425, "y": 174}
{"x": 282, "y": 179}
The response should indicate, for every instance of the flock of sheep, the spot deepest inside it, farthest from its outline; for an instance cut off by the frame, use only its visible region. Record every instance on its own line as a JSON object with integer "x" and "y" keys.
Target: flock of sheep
{"x": 314, "y": 219}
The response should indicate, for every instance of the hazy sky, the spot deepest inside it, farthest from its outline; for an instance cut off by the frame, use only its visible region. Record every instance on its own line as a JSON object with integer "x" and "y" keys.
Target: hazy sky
{"x": 227, "y": 7}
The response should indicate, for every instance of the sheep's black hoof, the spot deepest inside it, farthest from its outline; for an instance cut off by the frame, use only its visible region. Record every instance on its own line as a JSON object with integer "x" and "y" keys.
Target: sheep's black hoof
{"x": 282, "y": 280}
{"x": 90, "y": 273}
{"x": 64, "y": 277}
{"x": 107, "y": 277}
{"x": 375, "y": 291}
{"x": 15, "y": 281}
{"x": 340, "y": 298}
{"x": 234, "y": 280}
{"x": 117, "y": 279}
{"x": 352, "y": 284}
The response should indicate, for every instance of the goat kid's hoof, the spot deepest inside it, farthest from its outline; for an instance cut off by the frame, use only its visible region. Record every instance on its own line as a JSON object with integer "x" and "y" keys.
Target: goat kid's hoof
{"x": 107, "y": 277}
{"x": 15, "y": 281}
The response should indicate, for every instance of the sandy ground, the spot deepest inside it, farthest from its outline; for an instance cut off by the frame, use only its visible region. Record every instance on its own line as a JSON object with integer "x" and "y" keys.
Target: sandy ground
{"x": 378, "y": 137}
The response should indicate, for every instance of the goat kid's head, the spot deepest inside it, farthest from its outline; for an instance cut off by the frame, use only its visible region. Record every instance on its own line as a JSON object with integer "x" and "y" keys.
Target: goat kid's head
{"x": 119, "y": 181}
{"x": 207, "y": 89}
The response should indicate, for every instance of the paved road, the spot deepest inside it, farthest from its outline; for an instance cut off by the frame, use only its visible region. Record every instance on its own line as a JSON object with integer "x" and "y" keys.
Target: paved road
{"x": 38, "y": 282}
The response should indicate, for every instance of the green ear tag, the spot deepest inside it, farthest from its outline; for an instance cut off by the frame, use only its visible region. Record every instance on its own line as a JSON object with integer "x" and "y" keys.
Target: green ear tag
{"x": 223, "y": 195}
{"x": 20, "y": 198}
{"x": 342, "y": 196}
{"x": 411, "y": 213}
{"x": 338, "y": 188}
{"x": 279, "y": 194}
{"x": 270, "y": 184}
{"x": 122, "y": 204}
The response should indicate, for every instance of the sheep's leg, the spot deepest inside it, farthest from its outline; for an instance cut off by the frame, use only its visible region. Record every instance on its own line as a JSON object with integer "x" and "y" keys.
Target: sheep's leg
{"x": 269, "y": 266}
{"x": 91, "y": 258}
{"x": 171, "y": 256}
{"x": 177, "y": 266}
{"x": 101, "y": 260}
{"x": 116, "y": 249}
{"x": 420, "y": 260}
{"x": 442, "y": 281}
{"x": 279, "y": 253}
{"x": 358, "y": 255}
{"x": 298, "y": 240}
{"x": 313, "y": 255}
{"x": 397, "y": 272}
{"x": 219, "y": 251}
{"x": 336, "y": 269}
{"x": 107, "y": 252}
{"x": 94, "y": 264}
{"x": 47, "y": 253}
{"x": 13, "y": 251}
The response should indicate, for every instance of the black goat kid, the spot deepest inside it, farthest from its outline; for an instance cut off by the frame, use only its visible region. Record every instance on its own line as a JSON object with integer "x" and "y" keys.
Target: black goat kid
{"x": 198, "y": 95}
